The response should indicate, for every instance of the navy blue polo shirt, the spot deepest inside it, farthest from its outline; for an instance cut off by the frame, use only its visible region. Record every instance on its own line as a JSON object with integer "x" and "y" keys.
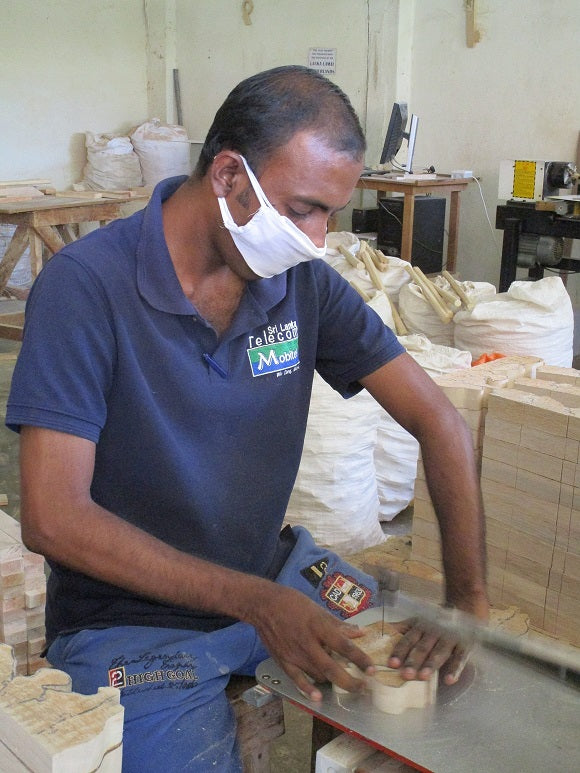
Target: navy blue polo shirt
{"x": 198, "y": 440}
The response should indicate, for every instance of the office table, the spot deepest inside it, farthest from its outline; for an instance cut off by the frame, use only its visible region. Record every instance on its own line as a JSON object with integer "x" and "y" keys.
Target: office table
{"x": 47, "y": 223}
{"x": 450, "y": 186}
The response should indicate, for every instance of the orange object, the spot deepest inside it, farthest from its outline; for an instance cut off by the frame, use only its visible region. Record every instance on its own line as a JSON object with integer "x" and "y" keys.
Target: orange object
{"x": 487, "y": 358}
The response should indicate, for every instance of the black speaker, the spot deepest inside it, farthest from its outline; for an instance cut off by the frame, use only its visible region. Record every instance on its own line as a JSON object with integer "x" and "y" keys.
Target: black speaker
{"x": 428, "y": 231}
{"x": 365, "y": 220}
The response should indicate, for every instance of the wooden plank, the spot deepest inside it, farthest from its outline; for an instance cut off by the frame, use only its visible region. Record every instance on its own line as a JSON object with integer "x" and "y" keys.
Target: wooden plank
{"x": 21, "y": 193}
{"x": 37, "y": 183}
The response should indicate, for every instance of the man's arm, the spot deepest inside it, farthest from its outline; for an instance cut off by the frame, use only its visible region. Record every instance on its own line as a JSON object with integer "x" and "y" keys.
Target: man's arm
{"x": 412, "y": 398}
{"x": 61, "y": 521}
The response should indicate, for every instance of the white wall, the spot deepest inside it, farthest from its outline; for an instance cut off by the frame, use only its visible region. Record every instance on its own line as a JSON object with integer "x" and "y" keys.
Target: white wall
{"x": 105, "y": 65}
{"x": 215, "y": 49}
{"x": 67, "y": 66}
{"x": 516, "y": 94}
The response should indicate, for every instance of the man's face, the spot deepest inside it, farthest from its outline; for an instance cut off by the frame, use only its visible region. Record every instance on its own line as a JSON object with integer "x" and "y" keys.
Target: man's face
{"x": 308, "y": 182}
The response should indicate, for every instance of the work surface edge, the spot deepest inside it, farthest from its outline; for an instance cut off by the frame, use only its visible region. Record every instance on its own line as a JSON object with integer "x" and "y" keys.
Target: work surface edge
{"x": 508, "y": 715}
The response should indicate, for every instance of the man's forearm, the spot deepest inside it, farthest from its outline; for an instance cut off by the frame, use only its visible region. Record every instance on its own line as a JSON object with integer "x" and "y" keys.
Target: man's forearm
{"x": 454, "y": 486}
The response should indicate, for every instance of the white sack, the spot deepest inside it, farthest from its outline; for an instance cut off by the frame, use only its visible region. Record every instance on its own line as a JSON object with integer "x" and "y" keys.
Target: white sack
{"x": 532, "y": 318}
{"x": 420, "y": 317}
{"x": 335, "y": 494}
{"x": 163, "y": 150}
{"x": 392, "y": 278}
{"x": 397, "y": 451}
{"x": 112, "y": 163}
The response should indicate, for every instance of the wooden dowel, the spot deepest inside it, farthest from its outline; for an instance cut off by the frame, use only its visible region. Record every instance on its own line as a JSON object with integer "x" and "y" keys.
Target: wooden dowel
{"x": 469, "y": 304}
{"x": 365, "y": 296}
{"x": 373, "y": 255}
{"x": 444, "y": 314}
{"x": 400, "y": 328}
{"x": 436, "y": 290}
{"x": 449, "y": 297}
{"x": 350, "y": 258}
{"x": 371, "y": 269}
{"x": 378, "y": 258}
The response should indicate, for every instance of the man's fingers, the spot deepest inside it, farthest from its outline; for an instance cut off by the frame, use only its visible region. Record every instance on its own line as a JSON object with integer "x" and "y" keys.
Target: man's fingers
{"x": 421, "y": 651}
{"x": 330, "y": 671}
{"x": 302, "y": 682}
{"x": 456, "y": 664}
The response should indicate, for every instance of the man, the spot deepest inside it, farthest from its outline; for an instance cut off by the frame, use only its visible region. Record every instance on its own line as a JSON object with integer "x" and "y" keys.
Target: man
{"x": 162, "y": 401}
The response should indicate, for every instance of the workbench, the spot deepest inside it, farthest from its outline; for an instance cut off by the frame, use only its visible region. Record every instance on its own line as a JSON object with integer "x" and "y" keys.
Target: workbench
{"x": 504, "y": 714}
{"x": 48, "y": 222}
{"x": 411, "y": 188}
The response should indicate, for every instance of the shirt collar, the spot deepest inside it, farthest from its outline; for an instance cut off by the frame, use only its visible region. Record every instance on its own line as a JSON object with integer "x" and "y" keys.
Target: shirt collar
{"x": 157, "y": 281}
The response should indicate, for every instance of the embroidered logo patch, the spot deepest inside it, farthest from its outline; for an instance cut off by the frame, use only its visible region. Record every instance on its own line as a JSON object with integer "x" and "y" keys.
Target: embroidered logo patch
{"x": 316, "y": 572}
{"x": 275, "y": 349}
{"x": 343, "y": 594}
{"x": 175, "y": 670}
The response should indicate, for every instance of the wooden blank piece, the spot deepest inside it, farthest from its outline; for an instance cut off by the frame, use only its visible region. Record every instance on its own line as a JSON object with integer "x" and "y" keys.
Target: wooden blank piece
{"x": 394, "y": 695}
{"x": 49, "y": 729}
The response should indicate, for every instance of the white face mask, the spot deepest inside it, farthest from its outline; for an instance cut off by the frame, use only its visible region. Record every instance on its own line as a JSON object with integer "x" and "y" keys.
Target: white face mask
{"x": 270, "y": 243}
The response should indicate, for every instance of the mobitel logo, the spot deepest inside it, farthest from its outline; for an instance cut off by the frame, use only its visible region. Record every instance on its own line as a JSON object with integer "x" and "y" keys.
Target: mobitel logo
{"x": 274, "y": 357}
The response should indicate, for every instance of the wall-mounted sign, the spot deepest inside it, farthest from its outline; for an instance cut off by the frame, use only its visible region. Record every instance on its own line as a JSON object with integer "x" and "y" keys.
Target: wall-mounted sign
{"x": 323, "y": 60}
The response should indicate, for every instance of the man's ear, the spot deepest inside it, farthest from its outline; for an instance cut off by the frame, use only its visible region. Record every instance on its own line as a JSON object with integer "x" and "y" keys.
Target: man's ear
{"x": 226, "y": 172}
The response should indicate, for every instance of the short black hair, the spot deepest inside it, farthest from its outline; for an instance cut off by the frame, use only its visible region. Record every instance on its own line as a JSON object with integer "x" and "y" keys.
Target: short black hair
{"x": 265, "y": 111}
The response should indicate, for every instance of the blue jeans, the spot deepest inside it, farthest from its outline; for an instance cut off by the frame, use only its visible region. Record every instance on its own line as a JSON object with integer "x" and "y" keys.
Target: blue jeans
{"x": 172, "y": 681}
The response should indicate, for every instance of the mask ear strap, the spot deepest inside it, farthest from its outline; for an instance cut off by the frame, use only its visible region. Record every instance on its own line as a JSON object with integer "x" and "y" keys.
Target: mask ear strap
{"x": 256, "y": 185}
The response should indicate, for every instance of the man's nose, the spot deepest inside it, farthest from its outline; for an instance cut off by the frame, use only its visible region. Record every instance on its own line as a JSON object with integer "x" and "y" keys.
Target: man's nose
{"x": 317, "y": 231}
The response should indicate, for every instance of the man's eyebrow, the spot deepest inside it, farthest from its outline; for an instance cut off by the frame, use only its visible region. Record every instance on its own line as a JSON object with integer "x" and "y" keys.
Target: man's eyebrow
{"x": 320, "y": 204}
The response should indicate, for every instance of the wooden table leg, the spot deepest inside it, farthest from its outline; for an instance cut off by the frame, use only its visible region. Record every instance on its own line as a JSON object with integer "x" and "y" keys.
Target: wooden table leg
{"x": 453, "y": 231}
{"x": 407, "y": 232}
{"x": 13, "y": 253}
{"x": 50, "y": 237}
{"x": 36, "y": 249}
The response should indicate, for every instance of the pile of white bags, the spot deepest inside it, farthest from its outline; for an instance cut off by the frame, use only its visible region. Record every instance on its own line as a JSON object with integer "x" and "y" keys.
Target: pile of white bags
{"x": 534, "y": 318}
{"x": 112, "y": 164}
{"x": 153, "y": 151}
{"x": 359, "y": 466}
{"x": 163, "y": 150}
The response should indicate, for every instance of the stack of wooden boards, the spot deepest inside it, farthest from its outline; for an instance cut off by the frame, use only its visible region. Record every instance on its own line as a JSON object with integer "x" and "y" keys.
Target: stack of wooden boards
{"x": 44, "y": 727}
{"x": 22, "y": 598}
{"x": 25, "y": 190}
{"x": 525, "y": 423}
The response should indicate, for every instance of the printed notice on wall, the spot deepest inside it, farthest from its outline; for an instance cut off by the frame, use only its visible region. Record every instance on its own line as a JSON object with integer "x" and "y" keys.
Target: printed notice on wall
{"x": 323, "y": 60}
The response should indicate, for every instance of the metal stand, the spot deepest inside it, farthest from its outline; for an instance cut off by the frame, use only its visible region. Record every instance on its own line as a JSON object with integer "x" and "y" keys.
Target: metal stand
{"x": 516, "y": 218}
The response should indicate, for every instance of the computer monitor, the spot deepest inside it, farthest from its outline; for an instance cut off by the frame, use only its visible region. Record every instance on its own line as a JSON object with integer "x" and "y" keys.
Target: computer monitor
{"x": 396, "y": 134}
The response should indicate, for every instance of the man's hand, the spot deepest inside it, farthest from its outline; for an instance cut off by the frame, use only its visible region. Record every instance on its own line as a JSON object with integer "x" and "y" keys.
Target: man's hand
{"x": 301, "y": 638}
{"x": 424, "y": 649}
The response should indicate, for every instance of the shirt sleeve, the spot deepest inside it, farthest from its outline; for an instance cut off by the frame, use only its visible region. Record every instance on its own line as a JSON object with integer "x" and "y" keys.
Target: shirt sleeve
{"x": 65, "y": 366}
{"x": 353, "y": 341}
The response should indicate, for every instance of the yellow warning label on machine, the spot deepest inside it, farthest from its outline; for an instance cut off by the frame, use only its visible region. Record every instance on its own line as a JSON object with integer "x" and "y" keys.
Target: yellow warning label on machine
{"x": 524, "y": 179}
